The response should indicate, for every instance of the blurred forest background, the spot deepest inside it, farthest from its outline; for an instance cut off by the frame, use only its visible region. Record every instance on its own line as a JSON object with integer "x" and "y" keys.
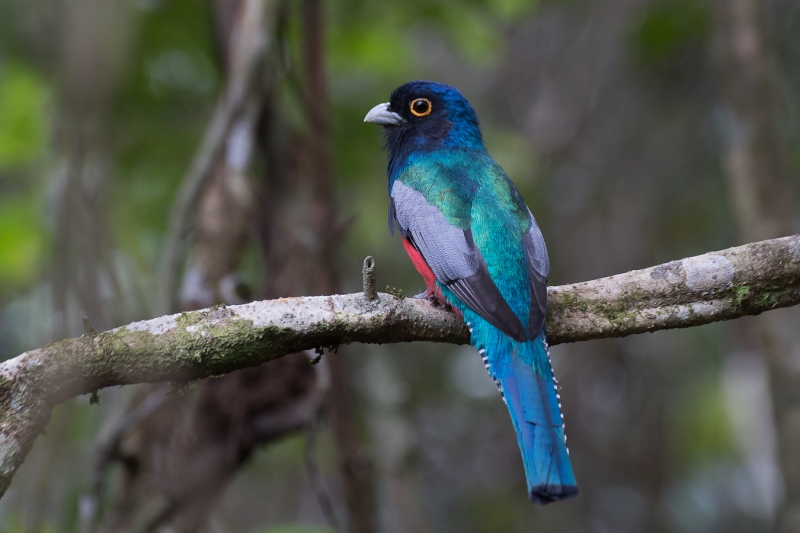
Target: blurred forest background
{"x": 166, "y": 155}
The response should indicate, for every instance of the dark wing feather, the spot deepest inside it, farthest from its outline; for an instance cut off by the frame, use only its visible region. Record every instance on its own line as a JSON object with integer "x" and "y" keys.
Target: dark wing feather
{"x": 482, "y": 296}
{"x": 539, "y": 266}
{"x": 451, "y": 254}
{"x": 391, "y": 216}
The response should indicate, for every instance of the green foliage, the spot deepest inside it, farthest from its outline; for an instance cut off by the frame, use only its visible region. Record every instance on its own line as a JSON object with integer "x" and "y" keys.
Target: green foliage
{"x": 374, "y": 38}
{"x": 701, "y": 430}
{"x": 491, "y": 511}
{"x": 23, "y": 116}
{"x": 668, "y": 27}
{"x": 21, "y": 241}
{"x": 474, "y": 33}
{"x": 16, "y": 524}
{"x": 368, "y": 50}
{"x": 164, "y": 106}
{"x": 511, "y": 9}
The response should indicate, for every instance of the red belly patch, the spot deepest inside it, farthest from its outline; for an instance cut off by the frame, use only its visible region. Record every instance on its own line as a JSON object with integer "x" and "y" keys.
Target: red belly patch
{"x": 421, "y": 266}
{"x": 427, "y": 274}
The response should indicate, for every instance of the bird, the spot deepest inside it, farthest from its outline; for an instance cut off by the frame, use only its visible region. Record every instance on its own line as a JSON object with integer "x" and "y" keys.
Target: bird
{"x": 481, "y": 253}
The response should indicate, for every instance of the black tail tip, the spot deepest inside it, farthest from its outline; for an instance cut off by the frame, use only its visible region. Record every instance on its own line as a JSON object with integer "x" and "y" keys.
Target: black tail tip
{"x": 544, "y": 494}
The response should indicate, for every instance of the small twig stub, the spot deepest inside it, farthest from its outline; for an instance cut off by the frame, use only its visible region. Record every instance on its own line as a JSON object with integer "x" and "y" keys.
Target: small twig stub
{"x": 370, "y": 290}
{"x": 88, "y": 329}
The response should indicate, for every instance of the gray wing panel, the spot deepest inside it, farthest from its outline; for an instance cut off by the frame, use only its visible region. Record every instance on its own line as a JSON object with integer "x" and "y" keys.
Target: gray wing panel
{"x": 444, "y": 246}
{"x": 539, "y": 264}
{"x": 537, "y": 251}
{"x": 392, "y": 216}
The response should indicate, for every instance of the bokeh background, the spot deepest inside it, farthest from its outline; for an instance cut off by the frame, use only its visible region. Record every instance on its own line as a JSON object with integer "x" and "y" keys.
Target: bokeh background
{"x": 164, "y": 155}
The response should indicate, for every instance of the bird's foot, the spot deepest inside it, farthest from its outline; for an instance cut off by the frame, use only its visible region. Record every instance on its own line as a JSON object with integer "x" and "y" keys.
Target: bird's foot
{"x": 435, "y": 299}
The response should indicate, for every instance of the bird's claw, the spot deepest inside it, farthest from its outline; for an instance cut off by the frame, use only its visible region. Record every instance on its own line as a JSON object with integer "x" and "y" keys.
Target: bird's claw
{"x": 434, "y": 299}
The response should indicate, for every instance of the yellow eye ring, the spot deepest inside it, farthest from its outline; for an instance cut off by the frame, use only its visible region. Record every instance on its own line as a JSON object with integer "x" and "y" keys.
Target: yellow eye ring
{"x": 421, "y": 107}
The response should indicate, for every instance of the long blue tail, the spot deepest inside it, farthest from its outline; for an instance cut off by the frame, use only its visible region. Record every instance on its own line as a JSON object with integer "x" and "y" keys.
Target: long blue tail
{"x": 525, "y": 378}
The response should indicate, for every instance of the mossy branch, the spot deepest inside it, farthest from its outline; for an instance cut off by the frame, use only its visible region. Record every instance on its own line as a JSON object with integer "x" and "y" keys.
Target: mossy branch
{"x": 746, "y": 280}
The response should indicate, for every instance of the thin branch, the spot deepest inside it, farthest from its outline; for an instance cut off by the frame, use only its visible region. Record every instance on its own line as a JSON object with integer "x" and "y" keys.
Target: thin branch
{"x": 746, "y": 280}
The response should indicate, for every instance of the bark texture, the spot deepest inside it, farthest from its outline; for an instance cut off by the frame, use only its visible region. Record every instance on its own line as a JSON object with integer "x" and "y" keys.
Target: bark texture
{"x": 745, "y": 280}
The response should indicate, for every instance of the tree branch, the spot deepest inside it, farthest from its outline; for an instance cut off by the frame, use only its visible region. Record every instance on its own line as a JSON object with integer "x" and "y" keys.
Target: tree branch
{"x": 746, "y": 280}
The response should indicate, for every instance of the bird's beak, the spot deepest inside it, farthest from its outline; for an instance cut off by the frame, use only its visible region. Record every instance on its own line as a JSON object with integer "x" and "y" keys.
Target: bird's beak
{"x": 381, "y": 115}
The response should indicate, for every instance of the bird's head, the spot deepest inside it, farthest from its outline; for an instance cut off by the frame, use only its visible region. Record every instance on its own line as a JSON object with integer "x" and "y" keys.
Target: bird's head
{"x": 426, "y": 116}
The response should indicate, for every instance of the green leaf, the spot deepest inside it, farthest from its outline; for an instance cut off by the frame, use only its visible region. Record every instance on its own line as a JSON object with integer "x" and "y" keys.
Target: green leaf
{"x": 701, "y": 427}
{"x": 668, "y": 27}
{"x": 20, "y": 241}
{"x": 23, "y": 120}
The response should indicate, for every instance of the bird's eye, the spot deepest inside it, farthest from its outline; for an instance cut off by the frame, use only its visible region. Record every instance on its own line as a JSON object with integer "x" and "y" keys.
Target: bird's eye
{"x": 421, "y": 107}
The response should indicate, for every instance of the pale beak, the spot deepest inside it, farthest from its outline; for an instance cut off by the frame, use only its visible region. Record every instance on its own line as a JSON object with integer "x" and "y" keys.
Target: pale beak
{"x": 381, "y": 115}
